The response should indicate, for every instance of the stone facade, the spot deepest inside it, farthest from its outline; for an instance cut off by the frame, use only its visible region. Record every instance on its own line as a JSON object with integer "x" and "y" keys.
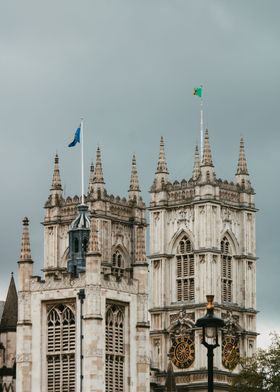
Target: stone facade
{"x": 104, "y": 318}
{"x": 202, "y": 241}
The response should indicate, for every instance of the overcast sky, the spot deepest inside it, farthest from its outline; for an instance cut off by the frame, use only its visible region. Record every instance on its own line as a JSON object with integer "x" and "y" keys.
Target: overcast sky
{"x": 129, "y": 67}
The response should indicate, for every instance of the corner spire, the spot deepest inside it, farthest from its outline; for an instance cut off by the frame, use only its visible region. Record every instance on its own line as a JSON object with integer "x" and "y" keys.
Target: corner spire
{"x": 134, "y": 190}
{"x": 242, "y": 174}
{"x": 242, "y": 163}
{"x": 196, "y": 165}
{"x": 161, "y": 175}
{"x": 25, "y": 252}
{"x": 98, "y": 172}
{"x": 162, "y": 164}
{"x": 56, "y": 181}
{"x": 207, "y": 156}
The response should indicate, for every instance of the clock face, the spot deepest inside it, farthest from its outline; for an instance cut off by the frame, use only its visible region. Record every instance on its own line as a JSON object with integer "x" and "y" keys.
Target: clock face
{"x": 182, "y": 352}
{"x": 230, "y": 352}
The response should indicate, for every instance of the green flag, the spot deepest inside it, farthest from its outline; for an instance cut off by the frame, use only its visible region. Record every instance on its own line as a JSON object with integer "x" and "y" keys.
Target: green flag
{"x": 197, "y": 91}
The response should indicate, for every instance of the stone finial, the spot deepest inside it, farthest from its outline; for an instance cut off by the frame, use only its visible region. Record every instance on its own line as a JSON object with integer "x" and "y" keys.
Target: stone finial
{"x": 93, "y": 237}
{"x": 134, "y": 190}
{"x": 207, "y": 156}
{"x": 98, "y": 172}
{"x": 242, "y": 163}
{"x": 196, "y": 165}
{"x": 162, "y": 164}
{"x": 56, "y": 181}
{"x": 25, "y": 253}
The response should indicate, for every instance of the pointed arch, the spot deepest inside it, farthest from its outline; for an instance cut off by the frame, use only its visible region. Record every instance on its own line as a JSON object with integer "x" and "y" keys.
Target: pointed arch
{"x": 228, "y": 233}
{"x": 120, "y": 260}
{"x": 183, "y": 232}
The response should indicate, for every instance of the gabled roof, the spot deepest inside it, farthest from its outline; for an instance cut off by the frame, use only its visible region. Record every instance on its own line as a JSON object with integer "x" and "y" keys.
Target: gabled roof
{"x": 10, "y": 312}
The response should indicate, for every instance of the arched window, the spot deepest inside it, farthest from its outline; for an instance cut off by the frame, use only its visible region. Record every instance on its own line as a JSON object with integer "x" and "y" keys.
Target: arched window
{"x": 61, "y": 328}
{"x": 76, "y": 245}
{"x": 114, "y": 345}
{"x": 117, "y": 263}
{"x": 185, "y": 270}
{"x": 226, "y": 270}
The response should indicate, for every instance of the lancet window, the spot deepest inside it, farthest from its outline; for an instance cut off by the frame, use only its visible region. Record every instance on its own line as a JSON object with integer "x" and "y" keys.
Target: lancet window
{"x": 185, "y": 270}
{"x": 118, "y": 263}
{"x": 226, "y": 272}
{"x": 115, "y": 352}
{"x": 61, "y": 330}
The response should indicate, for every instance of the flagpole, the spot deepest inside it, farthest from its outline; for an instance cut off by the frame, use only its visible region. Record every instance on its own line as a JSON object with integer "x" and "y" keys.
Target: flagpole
{"x": 82, "y": 158}
{"x": 201, "y": 126}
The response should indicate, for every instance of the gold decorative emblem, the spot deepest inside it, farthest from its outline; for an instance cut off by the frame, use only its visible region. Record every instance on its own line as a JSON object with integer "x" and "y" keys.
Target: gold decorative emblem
{"x": 182, "y": 351}
{"x": 230, "y": 352}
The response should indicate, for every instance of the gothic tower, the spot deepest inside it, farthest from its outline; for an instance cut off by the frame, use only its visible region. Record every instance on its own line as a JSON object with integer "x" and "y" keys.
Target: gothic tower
{"x": 84, "y": 325}
{"x": 202, "y": 241}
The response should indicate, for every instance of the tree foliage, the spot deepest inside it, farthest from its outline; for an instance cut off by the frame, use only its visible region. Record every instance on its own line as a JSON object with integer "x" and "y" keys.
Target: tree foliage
{"x": 262, "y": 371}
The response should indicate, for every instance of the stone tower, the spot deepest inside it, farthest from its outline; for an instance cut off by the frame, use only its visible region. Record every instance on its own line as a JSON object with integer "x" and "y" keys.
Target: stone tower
{"x": 84, "y": 325}
{"x": 202, "y": 241}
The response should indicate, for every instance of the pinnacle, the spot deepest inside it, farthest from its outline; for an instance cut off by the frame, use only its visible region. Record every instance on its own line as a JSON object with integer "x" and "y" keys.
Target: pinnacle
{"x": 10, "y": 312}
{"x": 196, "y": 166}
{"x": 56, "y": 182}
{"x": 207, "y": 156}
{"x": 91, "y": 176}
{"x": 242, "y": 163}
{"x": 134, "y": 181}
{"x": 98, "y": 172}
{"x": 25, "y": 253}
{"x": 162, "y": 164}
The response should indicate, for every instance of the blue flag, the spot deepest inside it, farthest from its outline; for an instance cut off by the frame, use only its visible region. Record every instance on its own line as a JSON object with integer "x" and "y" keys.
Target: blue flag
{"x": 76, "y": 138}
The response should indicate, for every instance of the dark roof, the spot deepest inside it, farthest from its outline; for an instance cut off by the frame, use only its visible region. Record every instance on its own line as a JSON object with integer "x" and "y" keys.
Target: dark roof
{"x": 10, "y": 312}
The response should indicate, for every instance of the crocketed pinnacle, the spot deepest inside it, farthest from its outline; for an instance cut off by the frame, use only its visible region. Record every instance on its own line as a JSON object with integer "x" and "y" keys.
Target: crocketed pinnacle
{"x": 134, "y": 181}
{"x": 98, "y": 172}
{"x": 162, "y": 164}
{"x": 25, "y": 252}
{"x": 242, "y": 163}
{"x": 196, "y": 165}
{"x": 56, "y": 181}
{"x": 207, "y": 156}
{"x": 93, "y": 237}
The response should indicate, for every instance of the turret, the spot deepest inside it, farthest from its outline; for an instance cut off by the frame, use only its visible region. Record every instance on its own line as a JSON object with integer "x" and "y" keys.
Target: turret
{"x": 98, "y": 183}
{"x": 134, "y": 190}
{"x": 56, "y": 188}
{"x": 78, "y": 241}
{"x": 161, "y": 175}
{"x": 242, "y": 174}
{"x": 25, "y": 263}
{"x": 196, "y": 166}
{"x": 207, "y": 167}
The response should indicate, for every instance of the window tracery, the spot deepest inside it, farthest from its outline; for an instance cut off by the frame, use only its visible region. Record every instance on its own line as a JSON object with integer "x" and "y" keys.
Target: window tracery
{"x": 114, "y": 343}
{"x": 226, "y": 270}
{"x": 185, "y": 270}
{"x": 61, "y": 328}
{"x": 118, "y": 264}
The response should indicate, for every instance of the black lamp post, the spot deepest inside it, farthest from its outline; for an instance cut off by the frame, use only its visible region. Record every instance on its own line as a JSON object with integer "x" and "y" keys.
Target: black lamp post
{"x": 210, "y": 325}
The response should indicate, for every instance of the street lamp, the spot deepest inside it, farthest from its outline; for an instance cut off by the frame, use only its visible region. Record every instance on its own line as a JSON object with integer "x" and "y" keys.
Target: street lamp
{"x": 210, "y": 325}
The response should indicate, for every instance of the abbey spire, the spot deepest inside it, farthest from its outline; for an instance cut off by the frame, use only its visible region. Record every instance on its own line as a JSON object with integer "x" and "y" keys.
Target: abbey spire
{"x": 242, "y": 174}
{"x": 196, "y": 165}
{"x": 98, "y": 172}
{"x": 96, "y": 181}
{"x": 56, "y": 188}
{"x": 134, "y": 190}
{"x": 25, "y": 260}
{"x": 207, "y": 155}
{"x": 207, "y": 167}
{"x": 161, "y": 176}
{"x": 25, "y": 252}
